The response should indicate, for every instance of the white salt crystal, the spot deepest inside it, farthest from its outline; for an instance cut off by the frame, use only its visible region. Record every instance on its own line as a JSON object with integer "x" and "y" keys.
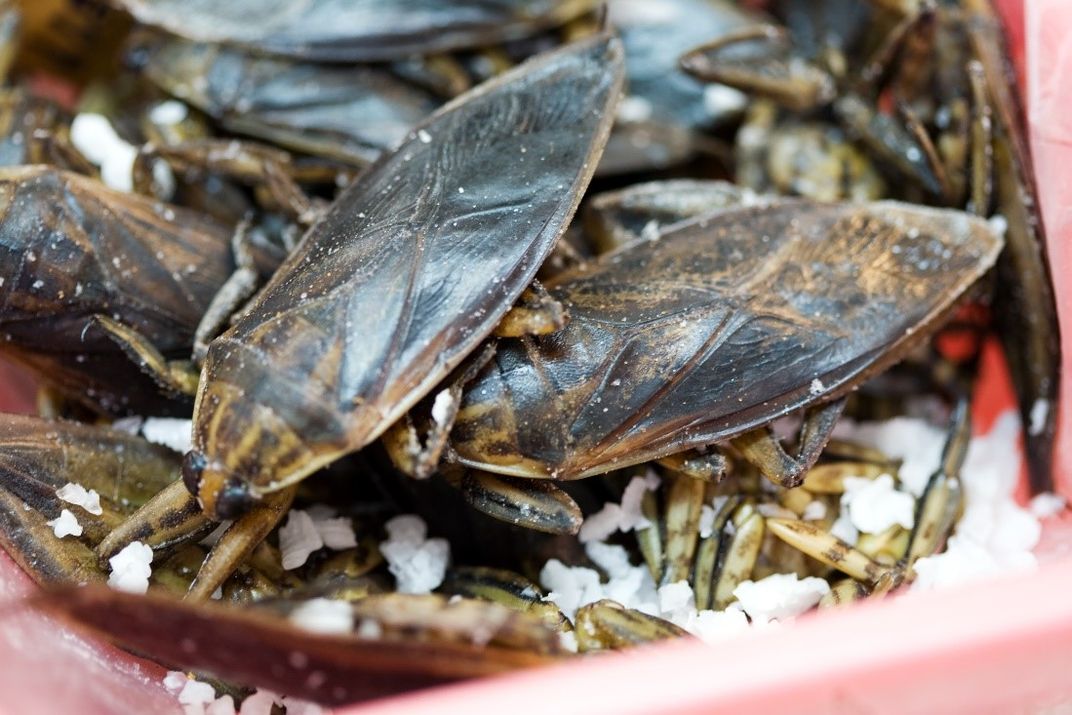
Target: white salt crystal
{"x": 298, "y": 538}
{"x": 633, "y": 109}
{"x": 175, "y": 681}
{"x": 1046, "y": 505}
{"x": 707, "y": 521}
{"x": 171, "y": 432}
{"x": 570, "y": 587}
{"x": 624, "y": 517}
{"x": 66, "y": 524}
{"x": 714, "y": 626}
{"x": 568, "y": 639}
{"x": 598, "y": 526}
{"x": 260, "y": 703}
{"x": 814, "y": 511}
{"x": 223, "y": 705}
{"x": 780, "y": 596}
{"x": 424, "y": 136}
{"x": 369, "y": 629}
{"x": 676, "y": 601}
{"x": 629, "y": 585}
{"x": 998, "y": 224}
{"x": 337, "y": 533}
{"x": 171, "y": 111}
{"x": 1040, "y": 410}
{"x": 915, "y": 442}
{"x": 323, "y": 615}
{"x": 131, "y": 568}
{"x": 130, "y": 425}
{"x": 816, "y": 387}
{"x": 441, "y": 408}
{"x": 418, "y": 564}
{"x": 720, "y": 100}
{"x": 194, "y": 692}
{"x": 78, "y": 495}
{"x": 844, "y": 529}
{"x": 94, "y": 136}
{"x": 875, "y": 505}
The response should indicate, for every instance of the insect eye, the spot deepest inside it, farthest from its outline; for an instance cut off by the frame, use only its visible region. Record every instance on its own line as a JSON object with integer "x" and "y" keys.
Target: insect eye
{"x": 233, "y": 500}
{"x": 193, "y": 464}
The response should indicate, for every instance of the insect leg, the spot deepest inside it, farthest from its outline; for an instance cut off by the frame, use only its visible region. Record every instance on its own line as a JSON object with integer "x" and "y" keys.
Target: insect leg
{"x": 827, "y": 548}
{"x": 179, "y": 376}
{"x": 238, "y": 542}
{"x": 761, "y": 447}
{"x": 982, "y": 153}
{"x": 532, "y": 503}
{"x": 709, "y": 467}
{"x": 847, "y": 590}
{"x": 170, "y": 518}
{"x": 739, "y": 550}
{"x": 942, "y": 499}
{"x": 534, "y": 313}
{"x": 231, "y": 295}
{"x": 55, "y": 147}
{"x": 684, "y": 499}
{"x": 707, "y": 554}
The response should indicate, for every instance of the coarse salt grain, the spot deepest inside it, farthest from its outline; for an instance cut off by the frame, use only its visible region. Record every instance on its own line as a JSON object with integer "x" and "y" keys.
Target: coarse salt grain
{"x": 171, "y": 432}
{"x": 175, "y": 681}
{"x": 196, "y": 693}
{"x": 336, "y": 533}
{"x": 875, "y": 505}
{"x": 844, "y": 529}
{"x": 417, "y": 563}
{"x": 814, "y": 511}
{"x": 816, "y": 387}
{"x": 131, "y": 568}
{"x": 298, "y": 538}
{"x": 626, "y": 516}
{"x": 369, "y": 629}
{"x": 66, "y": 524}
{"x": 323, "y": 615}
{"x": 1040, "y": 410}
{"x": 223, "y": 705}
{"x": 707, "y": 521}
{"x": 676, "y": 600}
{"x": 260, "y": 703}
{"x": 130, "y": 425}
{"x": 171, "y": 111}
{"x": 780, "y": 596}
{"x": 915, "y": 442}
{"x": 93, "y": 135}
{"x": 442, "y": 407}
{"x": 78, "y": 495}
{"x": 1046, "y": 505}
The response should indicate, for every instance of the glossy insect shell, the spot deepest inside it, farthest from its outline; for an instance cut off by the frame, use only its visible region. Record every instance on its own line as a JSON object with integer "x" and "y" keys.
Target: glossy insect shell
{"x": 340, "y": 112}
{"x": 412, "y": 267}
{"x": 71, "y": 248}
{"x": 358, "y": 30}
{"x": 37, "y": 457}
{"x": 719, "y": 326}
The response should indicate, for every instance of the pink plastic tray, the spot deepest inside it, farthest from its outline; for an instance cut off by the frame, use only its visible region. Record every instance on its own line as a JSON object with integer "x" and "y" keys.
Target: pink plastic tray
{"x": 1001, "y": 646}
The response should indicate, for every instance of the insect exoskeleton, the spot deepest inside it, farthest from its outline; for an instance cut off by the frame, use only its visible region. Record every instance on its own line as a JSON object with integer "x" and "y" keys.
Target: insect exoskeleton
{"x": 720, "y": 326}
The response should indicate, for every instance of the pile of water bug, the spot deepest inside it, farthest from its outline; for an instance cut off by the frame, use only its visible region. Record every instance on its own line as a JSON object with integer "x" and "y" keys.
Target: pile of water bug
{"x": 484, "y": 263}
